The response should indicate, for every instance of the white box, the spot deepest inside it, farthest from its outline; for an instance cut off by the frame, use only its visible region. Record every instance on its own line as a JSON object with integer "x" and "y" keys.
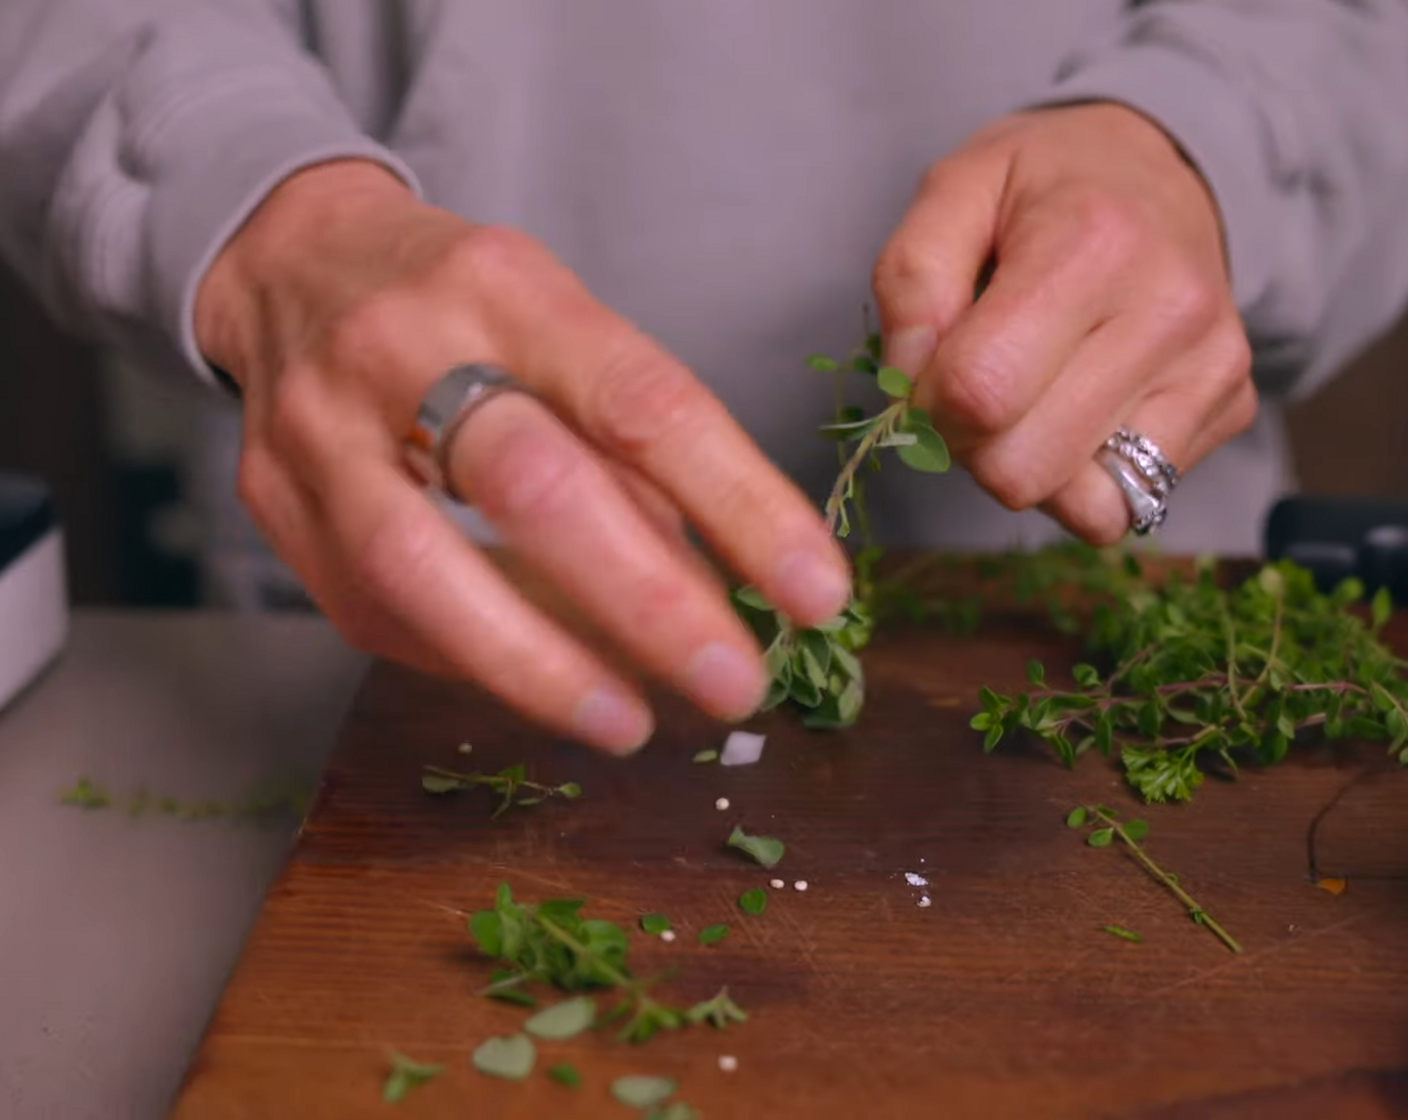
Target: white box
{"x": 34, "y": 614}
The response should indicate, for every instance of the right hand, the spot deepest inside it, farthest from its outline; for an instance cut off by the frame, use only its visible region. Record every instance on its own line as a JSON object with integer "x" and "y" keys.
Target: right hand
{"x": 337, "y": 305}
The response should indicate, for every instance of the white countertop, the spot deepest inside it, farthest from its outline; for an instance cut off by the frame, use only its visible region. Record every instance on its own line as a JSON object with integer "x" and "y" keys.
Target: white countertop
{"x": 117, "y": 934}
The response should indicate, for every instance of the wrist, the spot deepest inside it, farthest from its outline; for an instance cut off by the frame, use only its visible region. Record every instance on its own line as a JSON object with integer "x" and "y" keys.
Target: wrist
{"x": 241, "y": 287}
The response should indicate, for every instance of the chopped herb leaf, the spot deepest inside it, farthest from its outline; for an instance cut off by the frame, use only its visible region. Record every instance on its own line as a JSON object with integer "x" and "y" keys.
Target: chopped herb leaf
{"x": 563, "y": 1020}
{"x": 754, "y": 901}
{"x": 1120, "y": 931}
{"x": 639, "y": 1091}
{"x": 655, "y": 923}
{"x": 565, "y": 1073}
{"x": 510, "y": 1057}
{"x": 765, "y": 849}
{"x": 712, "y": 935}
{"x": 407, "y": 1074}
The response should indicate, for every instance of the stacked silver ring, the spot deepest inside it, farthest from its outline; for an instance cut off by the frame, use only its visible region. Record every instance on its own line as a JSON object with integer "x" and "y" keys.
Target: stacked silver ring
{"x": 1144, "y": 474}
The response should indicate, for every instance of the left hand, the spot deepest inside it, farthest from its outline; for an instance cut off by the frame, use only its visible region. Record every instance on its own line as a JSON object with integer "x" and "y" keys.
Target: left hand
{"x": 1109, "y": 305}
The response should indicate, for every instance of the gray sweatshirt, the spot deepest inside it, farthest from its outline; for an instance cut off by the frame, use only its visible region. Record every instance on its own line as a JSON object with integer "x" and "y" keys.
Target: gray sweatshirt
{"x": 722, "y": 172}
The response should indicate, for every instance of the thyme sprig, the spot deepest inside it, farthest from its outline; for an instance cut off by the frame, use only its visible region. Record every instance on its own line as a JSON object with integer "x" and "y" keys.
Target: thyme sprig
{"x": 816, "y": 669}
{"x": 512, "y": 785}
{"x": 1106, "y": 827}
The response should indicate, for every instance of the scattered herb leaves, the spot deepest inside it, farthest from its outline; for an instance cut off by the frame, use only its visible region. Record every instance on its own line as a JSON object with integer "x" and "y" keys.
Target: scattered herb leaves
{"x": 655, "y": 923}
{"x": 753, "y": 901}
{"x": 510, "y": 1057}
{"x": 282, "y": 796}
{"x": 767, "y": 850}
{"x": 407, "y": 1074}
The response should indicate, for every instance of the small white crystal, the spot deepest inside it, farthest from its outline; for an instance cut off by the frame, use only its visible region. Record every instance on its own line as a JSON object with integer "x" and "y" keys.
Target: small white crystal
{"x": 465, "y": 748}
{"x": 777, "y": 884}
{"x": 728, "y": 1063}
{"x": 667, "y": 935}
{"x": 915, "y": 880}
{"x": 742, "y": 748}
{"x": 800, "y": 884}
{"x": 925, "y": 901}
{"x": 721, "y": 804}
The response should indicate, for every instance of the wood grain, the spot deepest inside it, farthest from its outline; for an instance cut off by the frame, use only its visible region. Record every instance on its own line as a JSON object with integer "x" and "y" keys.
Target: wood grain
{"x": 1001, "y": 999}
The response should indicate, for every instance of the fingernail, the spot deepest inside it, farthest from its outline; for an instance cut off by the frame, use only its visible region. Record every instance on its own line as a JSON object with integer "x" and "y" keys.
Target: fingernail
{"x": 617, "y": 722}
{"x": 819, "y": 586}
{"x": 727, "y": 680}
{"x": 911, "y": 349}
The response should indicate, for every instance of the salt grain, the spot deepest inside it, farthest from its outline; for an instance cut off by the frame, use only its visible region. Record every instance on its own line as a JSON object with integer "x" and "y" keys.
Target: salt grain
{"x": 728, "y": 1063}
{"x": 667, "y": 935}
{"x": 465, "y": 748}
{"x": 925, "y": 901}
{"x": 721, "y": 804}
{"x": 915, "y": 880}
{"x": 800, "y": 884}
{"x": 777, "y": 884}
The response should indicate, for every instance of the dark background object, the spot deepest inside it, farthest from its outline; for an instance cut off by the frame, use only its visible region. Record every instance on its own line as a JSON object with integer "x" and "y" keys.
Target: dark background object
{"x": 1337, "y": 538}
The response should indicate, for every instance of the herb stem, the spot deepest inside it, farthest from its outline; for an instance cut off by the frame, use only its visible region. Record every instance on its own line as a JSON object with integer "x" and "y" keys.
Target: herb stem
{"x": 842, "y": 487}
{"x": 1195, "y": 910}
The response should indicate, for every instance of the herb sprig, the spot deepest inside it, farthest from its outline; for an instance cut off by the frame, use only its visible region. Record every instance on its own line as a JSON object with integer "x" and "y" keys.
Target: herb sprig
{"x": 1105, "y": 828}
{"x": 816, "y": 669}
{"x": 512, "y": 786}
{"x": 1200, "y": 675}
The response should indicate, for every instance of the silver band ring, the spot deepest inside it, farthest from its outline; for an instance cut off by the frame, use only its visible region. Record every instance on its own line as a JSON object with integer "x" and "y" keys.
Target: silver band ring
{"x": 1144, "y": 475}
{"x": 443, "y": 411}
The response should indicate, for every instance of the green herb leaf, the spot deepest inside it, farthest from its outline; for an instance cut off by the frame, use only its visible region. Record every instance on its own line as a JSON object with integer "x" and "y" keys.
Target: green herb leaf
{"x": 1137, "y": 830}
{"x": 407, "y": 1074}
{"x": 894, "y": 382}
{"x": 765, "y": 849}
{"x": 719, "y": 1011}
{"x": 823, "y": 364}
{"x": 712, "y": 935}
{"x": 569, "y": 790}
{"x": 564, "y": 1020}
{"x": 754, "y": 901}
{"x": 1076, "y": 817}
{"x": 639, "y": 1091}
{"x": 1101, "y": 838}
{"x": 928, "y": 453}
{"x": 709, "y": 755}
{"x": 565, "y": 1073}
{"x": 438, "y": 783}
{"x": 510, "y": 1058}
{"x": 1382, "y": 606}
{"x": 655, "y": 923}
{"x": 1120, "y": 931}
{"x": 675, "y": 1110}
{"x": 1036, "y": 673}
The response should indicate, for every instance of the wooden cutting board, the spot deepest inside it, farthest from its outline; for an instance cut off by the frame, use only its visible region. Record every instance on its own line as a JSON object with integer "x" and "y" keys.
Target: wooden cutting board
{"x": 1003, "y": 998}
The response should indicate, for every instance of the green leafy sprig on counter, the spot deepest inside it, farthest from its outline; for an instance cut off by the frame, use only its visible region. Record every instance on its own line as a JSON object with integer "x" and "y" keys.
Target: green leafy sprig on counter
{"x": 511, "y": 785}
{"x": 816, "y": 669}
{"x": 290, "y": 796}
{"x": 1194, "y": 675}
{"x": 1105, "y": 827}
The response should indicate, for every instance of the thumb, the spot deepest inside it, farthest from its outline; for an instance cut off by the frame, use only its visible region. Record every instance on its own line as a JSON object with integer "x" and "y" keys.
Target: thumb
{"x": 928, "y": 272}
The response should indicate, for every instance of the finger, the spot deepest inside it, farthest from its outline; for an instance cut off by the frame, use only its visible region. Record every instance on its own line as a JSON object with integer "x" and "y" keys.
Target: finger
{"x": 1063, "y": 267}
{"x": 925, "y": 276}
{"x": 555, "y": 503}
{"x": 404, "y": 555}
{"x": 641, "y": 407}
{"x": 286, "y": 515}
{"x": 1186, "y": 424}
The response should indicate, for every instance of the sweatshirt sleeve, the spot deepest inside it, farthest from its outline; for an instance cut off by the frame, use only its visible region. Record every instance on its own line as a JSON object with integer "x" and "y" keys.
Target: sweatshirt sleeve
{"x": 135, "y": 138}
{"x": 1296, "y": 113}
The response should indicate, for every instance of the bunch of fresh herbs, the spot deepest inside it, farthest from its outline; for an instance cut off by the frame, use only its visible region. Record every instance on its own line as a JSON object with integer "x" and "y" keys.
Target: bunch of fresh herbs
{"x": 1194, "y": 675}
